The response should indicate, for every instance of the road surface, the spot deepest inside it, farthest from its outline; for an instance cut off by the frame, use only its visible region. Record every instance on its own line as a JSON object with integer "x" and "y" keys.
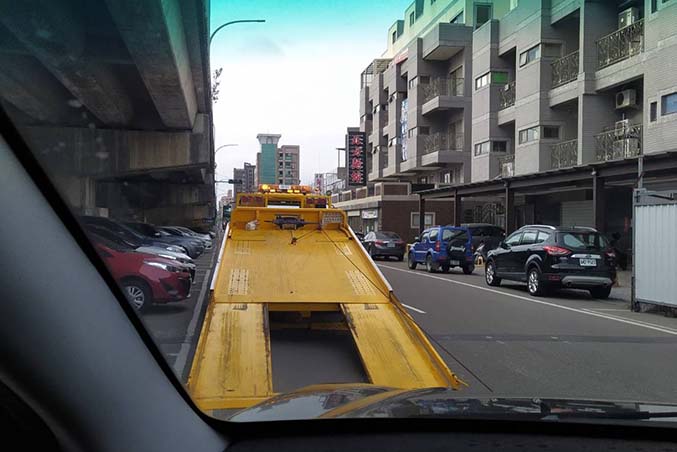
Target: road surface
{"x": 504, "y": 342}
{"x": 501, "y": 341}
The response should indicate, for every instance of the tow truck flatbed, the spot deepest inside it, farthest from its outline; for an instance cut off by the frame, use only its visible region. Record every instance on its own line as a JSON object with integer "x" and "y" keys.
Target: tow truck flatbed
{"x": 301, "y": 262}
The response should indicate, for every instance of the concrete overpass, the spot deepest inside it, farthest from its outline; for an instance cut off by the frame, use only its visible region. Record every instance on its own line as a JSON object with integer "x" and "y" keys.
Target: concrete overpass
{"x": 113, "y": 96}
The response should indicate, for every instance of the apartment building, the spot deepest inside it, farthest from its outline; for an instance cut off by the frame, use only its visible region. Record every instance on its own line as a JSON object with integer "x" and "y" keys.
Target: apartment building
{"x": 288, "y": 168}
{"x": 567, "y": 100}
{"x": 238, "y": 177}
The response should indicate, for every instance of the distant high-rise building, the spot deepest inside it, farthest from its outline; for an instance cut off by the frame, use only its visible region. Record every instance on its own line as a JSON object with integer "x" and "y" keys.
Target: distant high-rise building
{"x": 288, "y": 157}
{"x": 277, "y": 165}
{"x": 266, "y": 159}
{"x": 238, "y": 176}
{"x": 249, "y": 182}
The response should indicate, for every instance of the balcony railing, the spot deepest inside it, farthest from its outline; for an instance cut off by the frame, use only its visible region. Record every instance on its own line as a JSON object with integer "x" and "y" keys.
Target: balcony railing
{"x": 564, "y": 154}
{"x": 442, "y": 86}
{"x": 442, "y": 141}
{"x": 619, "y": 142}
{"x": 507, "y": 165}
{"x": 506, "y": 96}
{"x": 565, "y": 69}
{"x": 621, "y": 44}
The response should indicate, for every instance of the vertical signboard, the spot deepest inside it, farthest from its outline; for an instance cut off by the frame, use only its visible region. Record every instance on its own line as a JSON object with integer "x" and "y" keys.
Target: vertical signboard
{"x": 356, "y": 158}
{"x": 403, "y": 128}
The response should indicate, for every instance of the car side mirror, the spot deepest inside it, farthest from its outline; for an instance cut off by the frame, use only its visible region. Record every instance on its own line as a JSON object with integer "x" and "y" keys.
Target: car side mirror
{"x": 505, "y": 246}
{"x": 417, "y": 239}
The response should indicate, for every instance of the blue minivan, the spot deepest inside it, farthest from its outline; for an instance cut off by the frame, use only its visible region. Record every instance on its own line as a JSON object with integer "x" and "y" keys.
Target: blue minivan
{"x": 440, "y": 248}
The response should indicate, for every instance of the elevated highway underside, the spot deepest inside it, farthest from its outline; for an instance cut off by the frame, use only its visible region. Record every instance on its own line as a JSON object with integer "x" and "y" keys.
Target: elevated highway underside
{"x": 113, "y": 96}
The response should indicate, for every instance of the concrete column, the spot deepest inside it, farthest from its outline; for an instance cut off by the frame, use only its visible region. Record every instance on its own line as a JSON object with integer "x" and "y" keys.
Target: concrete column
{"x": 599, "y": 203}
{"x": 421, "y": 214}
{"x": 594, "y": 112}
{"x": 509, "y": 209}
{"x": 458, "y": 208}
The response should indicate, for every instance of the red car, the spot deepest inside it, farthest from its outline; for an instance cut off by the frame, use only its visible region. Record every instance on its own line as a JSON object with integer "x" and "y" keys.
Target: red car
{"x": 145, "y": 278}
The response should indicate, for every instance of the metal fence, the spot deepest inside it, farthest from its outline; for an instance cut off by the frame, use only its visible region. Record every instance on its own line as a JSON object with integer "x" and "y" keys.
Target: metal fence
{"x": 442, "y": 86}
{"x": 564, "y": 154}
{"x": 621, "y": 44}
{"x": 506, "y": 96}
{"x": 619, "y": 142}
{"x": 565, "y": 69}
{"x": 654, "y": 245}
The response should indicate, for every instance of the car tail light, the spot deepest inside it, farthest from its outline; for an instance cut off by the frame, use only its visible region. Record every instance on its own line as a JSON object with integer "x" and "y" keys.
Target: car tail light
{"x": 379, "y": 242}
{"x": 611, "y": 254}
{"x": 438, "y": 245}
{"x": 556, "y": 250}
{"x": 399, "y": 242}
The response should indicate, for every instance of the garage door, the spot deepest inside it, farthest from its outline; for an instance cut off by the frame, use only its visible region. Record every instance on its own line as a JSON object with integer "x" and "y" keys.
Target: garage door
{"x": 577, "y": 213}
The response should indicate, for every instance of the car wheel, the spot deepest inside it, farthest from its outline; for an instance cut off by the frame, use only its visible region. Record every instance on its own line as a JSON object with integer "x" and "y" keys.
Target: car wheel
{"x": 445, "y": 268}
{"x": 400, "y": 257}
{"x": 138, "y": 294}
{"x": 468, "y": 269}
{"x": 411, "y": 263}
{"x": 600, "y": 292}
{"x": 490, "y": 274}
{"x": 429, "y": 264}
{"x": 534, "y": 284}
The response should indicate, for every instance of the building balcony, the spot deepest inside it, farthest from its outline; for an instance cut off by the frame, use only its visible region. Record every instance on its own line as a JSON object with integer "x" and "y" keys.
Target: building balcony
{"x": 442, "y": 141}
{"x": 564, "y": 154}
{"x": 621, "y": 141}
{"x": 621, "y": 44}
{"x": 442, "y": 86}
{"x": 565, "y": 69}
{"x": 507, "y": 165}
{"x": 506, "y": 96}
{"x": 443, "y": 93}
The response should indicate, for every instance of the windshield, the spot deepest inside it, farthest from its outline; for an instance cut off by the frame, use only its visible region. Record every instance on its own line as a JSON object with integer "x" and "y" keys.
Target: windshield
{"x": 387, "y": 236}
{"x": 516, "y": 234}
{"x": 583, "y": 240}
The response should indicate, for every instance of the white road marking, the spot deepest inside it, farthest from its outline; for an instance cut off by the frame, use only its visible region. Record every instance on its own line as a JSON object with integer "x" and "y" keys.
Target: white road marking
{"x": 638, "y": 323}
{"x": 606, "y": 309}
{"x": 413, "y": 308}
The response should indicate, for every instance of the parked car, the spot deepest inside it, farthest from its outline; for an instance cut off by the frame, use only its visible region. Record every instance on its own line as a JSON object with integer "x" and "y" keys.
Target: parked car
{"x": 182, "y": 259}
{"x": 546, "y": 258}
{"x": 485, "y": 234}
{"x": 173, "y": 231}
{"x": 190, "y": 233}
{"x": 130, "y": 235}
{"x": 144, "y": 278}
{"x": 384, "y": 244}
{"x": 442, "y": 248}
{"x": 192, "y": 246}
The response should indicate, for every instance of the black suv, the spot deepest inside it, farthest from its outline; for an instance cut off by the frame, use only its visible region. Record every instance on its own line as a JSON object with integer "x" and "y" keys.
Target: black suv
{"x": 546, "y": 258}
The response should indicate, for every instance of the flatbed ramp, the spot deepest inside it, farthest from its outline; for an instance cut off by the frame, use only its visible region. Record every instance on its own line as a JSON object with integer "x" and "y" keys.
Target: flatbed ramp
{"x": 317, "y": 267}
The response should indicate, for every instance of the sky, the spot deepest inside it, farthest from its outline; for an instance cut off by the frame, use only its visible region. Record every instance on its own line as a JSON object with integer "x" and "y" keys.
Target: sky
{"x": 297, "y": 74}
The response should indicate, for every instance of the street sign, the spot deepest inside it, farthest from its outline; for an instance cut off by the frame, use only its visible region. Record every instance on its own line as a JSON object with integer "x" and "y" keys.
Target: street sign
{"x": 356, "y": 159}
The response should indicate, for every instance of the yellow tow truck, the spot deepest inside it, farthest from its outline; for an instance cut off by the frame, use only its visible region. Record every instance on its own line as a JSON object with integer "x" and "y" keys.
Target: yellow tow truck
{"x": 290, "y": 261}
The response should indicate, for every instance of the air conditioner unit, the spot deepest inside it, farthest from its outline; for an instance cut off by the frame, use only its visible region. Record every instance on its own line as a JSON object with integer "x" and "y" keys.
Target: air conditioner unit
{"x": 628, "y": 17}
{"x": 626, "y": 148}
{"x": 621, "y": 128}
{"x": 626, "y": 98}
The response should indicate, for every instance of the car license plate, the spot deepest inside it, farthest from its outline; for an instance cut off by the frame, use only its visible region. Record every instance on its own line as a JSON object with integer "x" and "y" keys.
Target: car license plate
{"x": 588, "y": 262}
{"x": 391, "y": 245}
{"x": 454, "y": 262}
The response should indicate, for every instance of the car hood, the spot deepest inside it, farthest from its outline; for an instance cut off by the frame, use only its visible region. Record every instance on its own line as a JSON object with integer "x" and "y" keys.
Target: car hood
{"x": 159, "y": 250}
{"x": 364, "y": 401}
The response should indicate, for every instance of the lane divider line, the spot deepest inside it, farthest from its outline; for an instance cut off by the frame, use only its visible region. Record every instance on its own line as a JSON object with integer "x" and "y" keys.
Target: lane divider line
{"x": 640, "y": 324}
{"x": 414, "y": 309}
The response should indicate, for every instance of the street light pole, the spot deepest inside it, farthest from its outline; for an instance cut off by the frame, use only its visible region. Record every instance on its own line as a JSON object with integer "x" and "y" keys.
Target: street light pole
{"x": 211, "y": 37}
{"x": 224, "y": 146}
